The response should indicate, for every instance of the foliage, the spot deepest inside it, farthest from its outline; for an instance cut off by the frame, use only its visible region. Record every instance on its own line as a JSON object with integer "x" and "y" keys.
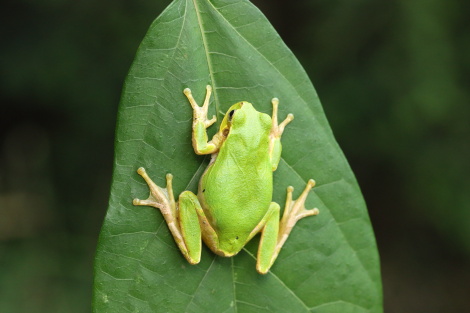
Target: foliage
{"x": 329, "y": 263}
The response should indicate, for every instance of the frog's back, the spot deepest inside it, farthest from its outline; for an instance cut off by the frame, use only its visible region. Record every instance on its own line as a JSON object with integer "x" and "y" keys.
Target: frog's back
{"x": 238, "y": 185}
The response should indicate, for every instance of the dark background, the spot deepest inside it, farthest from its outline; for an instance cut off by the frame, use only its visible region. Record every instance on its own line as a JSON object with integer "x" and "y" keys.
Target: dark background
{"x": 393, "y": 77}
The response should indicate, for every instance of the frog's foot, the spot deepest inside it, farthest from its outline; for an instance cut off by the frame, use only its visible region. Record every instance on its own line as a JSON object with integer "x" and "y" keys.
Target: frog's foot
{"x": 160, "y": 198}
{"x": 275, "y": 232}
{"x": 200, "y": 113}
{"x": 201, "y": 144}
{"x": 278, "y": 129}
{"x": 294, "y": 211}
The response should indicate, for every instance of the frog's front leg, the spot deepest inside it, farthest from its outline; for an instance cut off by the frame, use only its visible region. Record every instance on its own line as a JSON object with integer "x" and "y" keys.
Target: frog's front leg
{"x": 201, "y": 144}
{"x": 181, "y": 218}
{"x": 275, "y": 147}
{"x": 274, "y": 232}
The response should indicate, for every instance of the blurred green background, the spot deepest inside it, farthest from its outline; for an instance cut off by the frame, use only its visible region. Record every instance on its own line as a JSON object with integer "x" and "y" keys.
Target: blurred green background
{"x": 393, "y": 77}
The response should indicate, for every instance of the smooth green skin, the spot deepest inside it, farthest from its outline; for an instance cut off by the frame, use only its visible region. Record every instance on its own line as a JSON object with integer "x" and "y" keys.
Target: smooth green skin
{"x": 233, "y": 203}
{"x": 236, "y": 189}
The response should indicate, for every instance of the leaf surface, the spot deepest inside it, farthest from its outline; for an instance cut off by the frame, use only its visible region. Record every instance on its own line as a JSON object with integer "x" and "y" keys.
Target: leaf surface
{"x": 329, "y": 263}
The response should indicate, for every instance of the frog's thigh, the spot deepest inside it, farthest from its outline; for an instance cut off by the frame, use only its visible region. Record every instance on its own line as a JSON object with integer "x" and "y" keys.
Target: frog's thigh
{"x": 189, "y": 223}
{"x": 194, "y": 223}
{"x": 267, "y": 245}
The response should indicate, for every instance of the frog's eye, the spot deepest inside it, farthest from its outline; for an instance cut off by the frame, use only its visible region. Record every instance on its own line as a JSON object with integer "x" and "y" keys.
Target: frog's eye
{"x": 230, "y": 115}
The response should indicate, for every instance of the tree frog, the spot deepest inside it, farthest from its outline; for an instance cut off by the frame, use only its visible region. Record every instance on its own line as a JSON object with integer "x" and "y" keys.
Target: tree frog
{"x": 233, "y": 202}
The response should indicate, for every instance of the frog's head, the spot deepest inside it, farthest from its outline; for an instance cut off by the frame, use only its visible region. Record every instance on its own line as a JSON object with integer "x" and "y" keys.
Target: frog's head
{"x": 242, "y": 117}
{"x": 235, "y": 109}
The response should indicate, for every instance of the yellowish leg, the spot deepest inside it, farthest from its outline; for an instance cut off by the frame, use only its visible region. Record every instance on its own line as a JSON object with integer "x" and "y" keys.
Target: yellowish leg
{"x": 181, "y": 226}
{"x": 275, "y": 147}
{"x": 201, "y": 143}
{"x": 294, "y": 211}
{"x": 278, "y": 129}
{"x": 274, "y": 232}
{"x": 200, "y": 113}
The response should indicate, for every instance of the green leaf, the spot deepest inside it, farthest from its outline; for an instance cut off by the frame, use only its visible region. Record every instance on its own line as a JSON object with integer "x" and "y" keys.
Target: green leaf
{"x": 328, "y": 264}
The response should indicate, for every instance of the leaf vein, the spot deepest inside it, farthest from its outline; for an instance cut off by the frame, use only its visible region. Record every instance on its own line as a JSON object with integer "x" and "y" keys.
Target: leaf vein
{"x": 282, "y": 283}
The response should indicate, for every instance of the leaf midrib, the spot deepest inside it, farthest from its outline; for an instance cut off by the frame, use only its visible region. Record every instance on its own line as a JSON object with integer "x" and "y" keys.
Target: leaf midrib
{"x": 216, "y": 100}
{"x": 208, "y": 59}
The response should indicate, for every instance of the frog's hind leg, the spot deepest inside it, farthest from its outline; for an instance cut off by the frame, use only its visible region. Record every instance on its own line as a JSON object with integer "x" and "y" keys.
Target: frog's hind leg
{"x": 181, "y": 217}
{"x": 275, "y": 232}
{"x": 268, "y": 241}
